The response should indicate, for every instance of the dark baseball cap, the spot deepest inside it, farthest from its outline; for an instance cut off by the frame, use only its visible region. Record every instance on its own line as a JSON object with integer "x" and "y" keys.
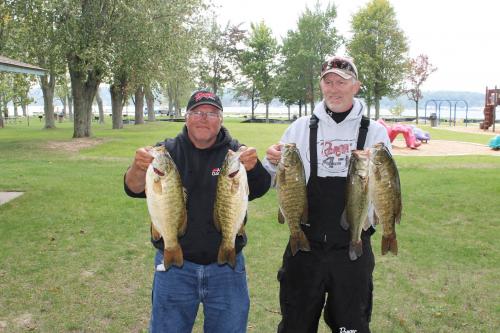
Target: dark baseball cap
{"x": 202, "y": 97}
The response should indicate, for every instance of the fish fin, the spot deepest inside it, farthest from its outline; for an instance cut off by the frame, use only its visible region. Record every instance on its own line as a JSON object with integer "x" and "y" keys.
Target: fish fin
{"x": 343, "y": 221}
{"x": 376, "y": 220}
{"x": 355, "y": 250}
{"x": 235, "y": 186}
{"x": 154, "y": 233}
{"x": 227, "y": 255}
{"x": 241, "y": 232}
{"x": 305, "y": 214}
{"x": 247, "y": 189}
{"x": 280, "y": 176}
{"x": 173, "y": 257}
{"x": 389, "y": 244}
{"x": 183, "y": 226}
{"x": 397, "y": 218}
{"x": 367, "y": 224}
{"x": 298, "y": 241}
{"x": 281, "y": 218}
{"x": 216, "y": 221}
{"x": 157, "y": 186}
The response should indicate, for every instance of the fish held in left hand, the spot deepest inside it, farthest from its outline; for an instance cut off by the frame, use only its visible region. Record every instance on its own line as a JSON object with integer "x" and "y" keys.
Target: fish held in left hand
{"x": 230, "y": 207}
{"x": 386, "y": 195}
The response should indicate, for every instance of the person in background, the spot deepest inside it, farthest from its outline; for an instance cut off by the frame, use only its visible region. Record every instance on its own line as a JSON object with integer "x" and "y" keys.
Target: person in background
{"x": 199, "y": 151}
{"x": 325, "y": 278}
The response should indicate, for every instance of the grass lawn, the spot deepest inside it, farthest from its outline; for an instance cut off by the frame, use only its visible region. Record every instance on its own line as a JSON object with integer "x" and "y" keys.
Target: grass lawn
{"x": 75, "y": 253}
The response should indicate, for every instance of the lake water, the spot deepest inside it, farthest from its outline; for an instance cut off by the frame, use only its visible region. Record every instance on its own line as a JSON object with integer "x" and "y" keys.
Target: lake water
{"x": 282, "y": 111}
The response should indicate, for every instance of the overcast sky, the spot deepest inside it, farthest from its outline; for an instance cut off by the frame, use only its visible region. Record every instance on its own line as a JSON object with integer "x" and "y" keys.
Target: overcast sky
{"x": 461, "y": 38}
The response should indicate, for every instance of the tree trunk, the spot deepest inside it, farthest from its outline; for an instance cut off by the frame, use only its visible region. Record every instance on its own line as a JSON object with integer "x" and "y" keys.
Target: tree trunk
{"x": 288, "y": 106}
{"x": 305, "y": 109}
{"x": 267, "y": 112}
{"x": 98, "y": 100}
{"x": 70, "y": 107}
{"x": 24, "y": 107}
{"x": 377, "y": 108}
{"x": 48, "y": 83}
{"x": 300, "y": 109}
{"x": 170, "y": 97}
{"x": 83, "y": 88}
{"x": 416, "y": 111}
{"x": 65, "y": 104}
{"x": 15, "y": 110}
{"x": 150, "y": 103}
{"x": 117, "y": 102}
{"x": 253, "y": 107}
{"x": 1, "y": 113}
{"x": 139, "y": 105}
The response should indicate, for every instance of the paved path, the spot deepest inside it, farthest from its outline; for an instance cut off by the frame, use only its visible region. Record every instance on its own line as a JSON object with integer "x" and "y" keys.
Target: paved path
{"x": 8, "y": 196}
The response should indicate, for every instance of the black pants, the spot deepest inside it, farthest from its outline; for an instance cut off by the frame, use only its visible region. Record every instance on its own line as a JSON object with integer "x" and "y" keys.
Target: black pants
{"x": 308, "y": 278}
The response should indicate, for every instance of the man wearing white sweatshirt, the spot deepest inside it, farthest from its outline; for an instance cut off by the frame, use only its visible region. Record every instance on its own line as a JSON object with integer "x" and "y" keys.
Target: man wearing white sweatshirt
{"x": 325, "y": 141}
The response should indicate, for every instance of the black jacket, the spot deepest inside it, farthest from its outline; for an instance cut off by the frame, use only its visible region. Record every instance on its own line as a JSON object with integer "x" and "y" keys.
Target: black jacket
{"x": 199, "y": 169}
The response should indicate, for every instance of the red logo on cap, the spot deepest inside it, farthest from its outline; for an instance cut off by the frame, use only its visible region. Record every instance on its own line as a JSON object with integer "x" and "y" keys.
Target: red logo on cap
{"x": 201, "y": 95}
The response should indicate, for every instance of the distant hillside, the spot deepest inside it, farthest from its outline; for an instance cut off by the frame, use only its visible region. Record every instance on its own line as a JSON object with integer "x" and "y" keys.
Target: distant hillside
{"x": 474, "y": 99}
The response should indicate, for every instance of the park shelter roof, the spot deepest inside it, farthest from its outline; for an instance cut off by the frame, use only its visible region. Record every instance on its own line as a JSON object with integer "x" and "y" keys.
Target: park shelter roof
{"x": 11, "y": 65}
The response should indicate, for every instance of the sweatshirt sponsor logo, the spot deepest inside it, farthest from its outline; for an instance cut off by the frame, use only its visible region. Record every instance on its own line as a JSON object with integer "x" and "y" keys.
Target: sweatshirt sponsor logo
{"x": 334, "y": 155}
{"x": 215, "y": 171}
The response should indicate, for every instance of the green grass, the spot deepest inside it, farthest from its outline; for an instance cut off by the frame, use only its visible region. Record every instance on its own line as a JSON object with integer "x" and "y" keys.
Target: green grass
{"x": 75, "y": 253}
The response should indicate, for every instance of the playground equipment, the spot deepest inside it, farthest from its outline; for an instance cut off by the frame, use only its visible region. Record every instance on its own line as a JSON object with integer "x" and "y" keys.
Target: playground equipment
{"x": 495, "y": 143}
{"x": 420, "y": 134}
{"x": 407, "y": 131}
{"x": 491, "y": 100}
{"x": 438, "y": 103}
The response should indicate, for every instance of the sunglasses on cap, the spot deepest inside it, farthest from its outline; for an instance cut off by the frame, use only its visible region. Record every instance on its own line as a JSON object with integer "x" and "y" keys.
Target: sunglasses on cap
{"x": 339, "y": 64}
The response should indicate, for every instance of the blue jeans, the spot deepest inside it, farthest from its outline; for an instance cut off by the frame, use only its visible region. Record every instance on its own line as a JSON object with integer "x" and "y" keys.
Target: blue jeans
{"x": 178, "y": 292}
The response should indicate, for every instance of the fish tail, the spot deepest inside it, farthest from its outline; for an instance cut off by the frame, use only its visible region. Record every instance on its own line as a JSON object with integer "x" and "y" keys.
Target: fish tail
{"x": 355, "y": 249}
{"x": 227, "y": 255}
{"x": 298, "y": 241}
{"x": 173, "y": 256}
{"x": 389, "y": 244}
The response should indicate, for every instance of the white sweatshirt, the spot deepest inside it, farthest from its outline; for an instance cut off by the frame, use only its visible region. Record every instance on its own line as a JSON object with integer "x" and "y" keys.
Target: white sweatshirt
{"x": 335, "y": 141}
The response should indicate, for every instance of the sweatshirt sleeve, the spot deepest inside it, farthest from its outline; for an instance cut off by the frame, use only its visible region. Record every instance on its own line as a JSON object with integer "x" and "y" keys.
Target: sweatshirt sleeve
{"x": 130, "y": 193}
{"x": 259, "y": 181}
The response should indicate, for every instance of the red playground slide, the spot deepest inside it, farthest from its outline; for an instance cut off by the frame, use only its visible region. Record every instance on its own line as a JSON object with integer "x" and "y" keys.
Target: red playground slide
{"x": 407, "y": 131}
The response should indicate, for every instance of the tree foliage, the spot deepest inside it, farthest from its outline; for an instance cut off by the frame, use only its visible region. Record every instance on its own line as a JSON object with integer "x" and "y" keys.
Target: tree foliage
{"x": 221, "y": 56}
{"x": 259, "y": 62}
{"x": 379, "y": 48}
{"x": 419, "y": 70}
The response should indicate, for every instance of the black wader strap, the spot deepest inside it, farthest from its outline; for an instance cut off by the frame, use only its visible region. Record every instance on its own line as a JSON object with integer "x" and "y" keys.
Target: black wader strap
{"x": 363, "y": 130}
{"x": 313, "y": 137}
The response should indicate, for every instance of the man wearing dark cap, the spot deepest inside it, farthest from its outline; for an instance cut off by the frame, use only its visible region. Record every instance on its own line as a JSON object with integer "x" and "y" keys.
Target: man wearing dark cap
{"x": 326, "y": 277}
{"x": 198, "y": 152}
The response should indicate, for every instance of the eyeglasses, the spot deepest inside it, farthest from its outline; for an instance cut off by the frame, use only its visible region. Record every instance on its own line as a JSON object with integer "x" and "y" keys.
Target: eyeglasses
{"x": 197, "y": 115}
{"x": 338, "y": 63}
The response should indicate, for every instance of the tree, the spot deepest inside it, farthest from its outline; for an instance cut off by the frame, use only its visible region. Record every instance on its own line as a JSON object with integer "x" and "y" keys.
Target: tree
{"x": 88, "y": 27}
{"x": 245, "y": 90}
{"x": 63, "y": 93}
{"x": 259, "y": 62}
{"x": 420, "y": 69}
{"x": 379, "y": 49}
{"x": 220, "y": 56}
{"x": 317, "y": 38}
{"x": 291, "y": 87}
{"x": 37, "y": 40}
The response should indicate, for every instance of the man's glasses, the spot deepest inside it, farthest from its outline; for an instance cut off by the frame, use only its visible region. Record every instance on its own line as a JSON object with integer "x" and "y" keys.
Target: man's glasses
{"x": 338, "y": 63}
{"x": 197, "y": 115}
